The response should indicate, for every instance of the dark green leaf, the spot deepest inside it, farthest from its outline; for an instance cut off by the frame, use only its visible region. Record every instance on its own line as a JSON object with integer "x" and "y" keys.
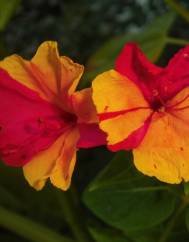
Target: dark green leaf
{"x": 124, "y": 198}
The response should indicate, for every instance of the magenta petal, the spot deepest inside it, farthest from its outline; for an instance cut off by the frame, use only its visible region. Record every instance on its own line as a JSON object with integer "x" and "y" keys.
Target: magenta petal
{"x": 133, "y": 140}
{"x": 133, "y": 64}
{"x": 28, "y": 124}
{"x": 90, "y": 136}
{"x": 176, "y": 75}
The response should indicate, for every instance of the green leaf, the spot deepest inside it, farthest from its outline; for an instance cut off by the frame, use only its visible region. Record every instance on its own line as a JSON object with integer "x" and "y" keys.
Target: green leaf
{"x": 124, "y": 198}
{"x": 7, "y": 9}
{"x": 152, "y": 39}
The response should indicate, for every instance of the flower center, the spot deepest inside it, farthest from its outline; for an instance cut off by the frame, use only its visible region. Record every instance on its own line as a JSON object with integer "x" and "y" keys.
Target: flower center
{"x": 69, "y": 117}
{"x": 158, "y": 104}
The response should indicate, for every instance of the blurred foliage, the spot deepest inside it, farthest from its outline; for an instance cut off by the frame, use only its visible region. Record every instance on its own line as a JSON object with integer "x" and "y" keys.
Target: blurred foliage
{"x": 120, "y": 204}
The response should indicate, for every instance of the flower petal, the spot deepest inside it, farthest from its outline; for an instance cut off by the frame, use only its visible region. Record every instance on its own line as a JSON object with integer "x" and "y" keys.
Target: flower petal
{"x": 90, "y": 136}
{"x": 113, "y": 92}
{"x": 28, "y": 123}
{"x": 84, "y": 107}
{"x": 62, "y": 172}
{"x": 20, "y": 70}
{"x": 134, "y": 139}
{"x": 164, "y": 151}
{"x": 121, "y": 127}
{"x": 175, "y": 76}
{"x": 59, "y": 73}
{"x": 117, "y": 100}
{"x": 52, "y": 76}
{"x": 39, "y": 169}
{"x": 133, "y": 64}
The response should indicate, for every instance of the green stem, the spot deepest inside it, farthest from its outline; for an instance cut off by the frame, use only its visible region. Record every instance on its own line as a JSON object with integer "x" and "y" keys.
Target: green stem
{"x": 171, "y": 224}
{"x": 179, "y": 9}
{"x": 28, "y": 229}
{"x": 73, "y": 216}
{"x": 177, "y": 41}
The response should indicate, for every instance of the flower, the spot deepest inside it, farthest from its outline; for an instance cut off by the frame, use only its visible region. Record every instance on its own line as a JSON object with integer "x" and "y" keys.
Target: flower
{"x": 145, "y": 108}
{"x": 43, "y": 120}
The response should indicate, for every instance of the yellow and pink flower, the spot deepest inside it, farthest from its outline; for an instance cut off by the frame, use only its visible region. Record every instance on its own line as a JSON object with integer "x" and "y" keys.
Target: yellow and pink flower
{"x": 43, "y": 120}
{"x": 145, "y": 108}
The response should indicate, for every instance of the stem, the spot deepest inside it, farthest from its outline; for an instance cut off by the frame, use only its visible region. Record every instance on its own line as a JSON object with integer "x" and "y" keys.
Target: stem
{"x": 177, "y": 41}
{"x": 178, "y": 8}
{"x": 172, "y": 222}
{"x": 73, "y": 215}
{"x": 28, "y": 229}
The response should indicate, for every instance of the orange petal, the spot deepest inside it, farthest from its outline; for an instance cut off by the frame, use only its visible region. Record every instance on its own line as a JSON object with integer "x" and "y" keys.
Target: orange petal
{"x": 51, "y": 75}
{"x": 62, "y": 172}
{"x": 120, "y": 127}
{"x": 73, "y": 73}
{"x": 59, "y": 72}
{"x": 164, "y": 151}
{"x": 84, "y": 106}
{"x": 39, "y": 169}
{"x": 113, "y": 92}
{"x": 20, "y": 70}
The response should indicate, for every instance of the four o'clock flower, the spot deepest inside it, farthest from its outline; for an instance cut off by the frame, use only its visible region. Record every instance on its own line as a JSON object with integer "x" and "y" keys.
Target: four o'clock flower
{"x": 145, "y": 108}
{"x": 43, "y": 120}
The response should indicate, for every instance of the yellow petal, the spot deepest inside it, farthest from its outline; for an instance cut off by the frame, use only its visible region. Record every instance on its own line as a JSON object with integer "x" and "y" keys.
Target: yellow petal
{"x": 52, "y": 76}
{"x": 20, "y": 70}
{"x": 164, "y": 152}
{"x": 120, "y": 127}
{"x": 114, "y": 92}
{"x": 60, "y": 72}
{"x": 38, "y": 170}
{"x": 71, "y": 74}
{"x": 63, "y": 170}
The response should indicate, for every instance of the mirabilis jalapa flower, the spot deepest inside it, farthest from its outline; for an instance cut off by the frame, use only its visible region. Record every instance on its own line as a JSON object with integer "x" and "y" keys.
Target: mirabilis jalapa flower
{"x": 43, "y": 120}
{"x": 145, "y": 108}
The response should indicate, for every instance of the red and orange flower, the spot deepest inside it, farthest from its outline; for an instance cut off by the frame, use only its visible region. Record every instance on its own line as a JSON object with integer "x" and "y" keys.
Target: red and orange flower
{"x": 145, "y": 108}
{"x": 43, "y": 120}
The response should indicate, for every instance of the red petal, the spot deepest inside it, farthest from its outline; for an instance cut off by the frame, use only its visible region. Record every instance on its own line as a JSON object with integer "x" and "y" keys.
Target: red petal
{"x": 176, "y": 75}
{"x": 133, "y": 64}
{"x": 28, "y": 123}
{"x": 90, "y": 136}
